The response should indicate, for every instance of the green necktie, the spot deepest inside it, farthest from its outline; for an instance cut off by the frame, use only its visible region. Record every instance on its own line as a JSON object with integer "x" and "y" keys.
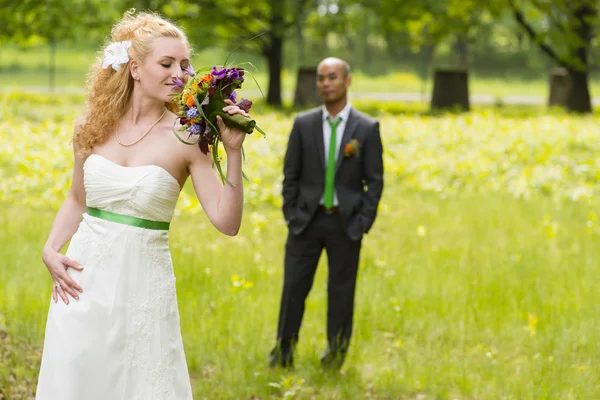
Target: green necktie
{"x": 330, "y": 173}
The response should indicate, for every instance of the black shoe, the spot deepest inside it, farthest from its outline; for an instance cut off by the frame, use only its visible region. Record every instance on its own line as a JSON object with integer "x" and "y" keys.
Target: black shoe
{"x": 281, "y": 358}
{"x": 333, "y": 360}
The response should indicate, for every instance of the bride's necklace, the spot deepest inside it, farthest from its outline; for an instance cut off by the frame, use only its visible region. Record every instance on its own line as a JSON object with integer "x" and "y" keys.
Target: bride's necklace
{"x": 141, "y": 137}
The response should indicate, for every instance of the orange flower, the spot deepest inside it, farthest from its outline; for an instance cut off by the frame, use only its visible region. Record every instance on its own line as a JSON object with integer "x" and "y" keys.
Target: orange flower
{"x": 351, "y": 149}
{"x": 190, "y": 101}
{"x": 206, "y": 78}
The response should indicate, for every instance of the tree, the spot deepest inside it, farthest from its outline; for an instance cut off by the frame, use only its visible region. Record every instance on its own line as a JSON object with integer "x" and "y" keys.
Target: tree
{"x": 55, "y": 20}
{"x": 266, "y": 21}
{"x": 564, "y": 33}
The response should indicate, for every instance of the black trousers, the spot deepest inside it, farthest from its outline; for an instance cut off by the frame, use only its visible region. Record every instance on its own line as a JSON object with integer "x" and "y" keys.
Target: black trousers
{"x": 302, "y": 253}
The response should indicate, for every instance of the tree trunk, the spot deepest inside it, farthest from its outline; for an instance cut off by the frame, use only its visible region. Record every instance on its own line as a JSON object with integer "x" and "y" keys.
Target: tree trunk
{"x": 560, "y": 86}
{"x": 274, "y": 52}
{"x": 306, "y": 88}
{"x": 274, "y": 60}
{"x": 450, "y": 90}
{"x": 578, "y": 99}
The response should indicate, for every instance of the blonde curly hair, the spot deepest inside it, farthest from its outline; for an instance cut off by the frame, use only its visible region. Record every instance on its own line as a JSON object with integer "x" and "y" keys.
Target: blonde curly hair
{"x": 109, "y": 91}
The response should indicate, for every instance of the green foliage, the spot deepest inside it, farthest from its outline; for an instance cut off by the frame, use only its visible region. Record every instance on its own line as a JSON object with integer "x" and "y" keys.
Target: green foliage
{"x": 560, "y": 28}
{"x": 60, "y": 19}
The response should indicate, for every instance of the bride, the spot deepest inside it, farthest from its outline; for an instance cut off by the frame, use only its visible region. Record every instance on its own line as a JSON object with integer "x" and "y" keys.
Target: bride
{"x": 116, "y": 332}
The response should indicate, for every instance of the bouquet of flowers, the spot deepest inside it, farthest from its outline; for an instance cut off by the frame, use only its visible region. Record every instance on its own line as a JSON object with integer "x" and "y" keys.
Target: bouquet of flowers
{"x": 202, "y": 99}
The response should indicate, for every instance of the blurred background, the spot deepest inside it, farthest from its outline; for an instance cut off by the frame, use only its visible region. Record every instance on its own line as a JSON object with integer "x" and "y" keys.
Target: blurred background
{"x": 512, "y": 50}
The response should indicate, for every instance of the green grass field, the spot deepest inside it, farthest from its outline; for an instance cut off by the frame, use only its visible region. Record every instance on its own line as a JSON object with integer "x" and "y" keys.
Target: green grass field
{"x": 476, "y": 282}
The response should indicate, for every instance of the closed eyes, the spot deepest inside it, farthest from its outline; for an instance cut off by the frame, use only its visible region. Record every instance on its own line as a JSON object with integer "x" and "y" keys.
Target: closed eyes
{"x": 169, "y": 66}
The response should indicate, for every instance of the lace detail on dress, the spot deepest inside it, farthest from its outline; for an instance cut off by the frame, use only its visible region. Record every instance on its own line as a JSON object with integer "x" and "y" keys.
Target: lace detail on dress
{"x": 90, "y": 243}
{"x": 150, "y": 320}
{"x": 162, "y": 376}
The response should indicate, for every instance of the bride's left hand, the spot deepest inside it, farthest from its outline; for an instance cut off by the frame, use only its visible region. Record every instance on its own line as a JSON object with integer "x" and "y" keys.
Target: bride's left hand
{"x": 232, "y": 138}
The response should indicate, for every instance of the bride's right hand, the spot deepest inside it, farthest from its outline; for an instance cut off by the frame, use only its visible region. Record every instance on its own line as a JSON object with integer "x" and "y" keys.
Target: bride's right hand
{"x": 57, "y": 265}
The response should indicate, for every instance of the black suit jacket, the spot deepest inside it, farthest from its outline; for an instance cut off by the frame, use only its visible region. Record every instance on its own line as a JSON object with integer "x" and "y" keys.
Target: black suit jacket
{"x": 358, "y": 179}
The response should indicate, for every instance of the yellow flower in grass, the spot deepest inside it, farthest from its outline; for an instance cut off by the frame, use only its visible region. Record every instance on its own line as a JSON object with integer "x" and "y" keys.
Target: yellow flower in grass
{"x": 238, "y": 283}
{"x": 551, "y": 227}
{"x": 532, "y": 322}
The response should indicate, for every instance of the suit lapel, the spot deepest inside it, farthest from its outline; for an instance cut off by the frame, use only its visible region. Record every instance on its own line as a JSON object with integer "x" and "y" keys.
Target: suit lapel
{"x": 317, "y": 128}
{"x": 348, "y": 134}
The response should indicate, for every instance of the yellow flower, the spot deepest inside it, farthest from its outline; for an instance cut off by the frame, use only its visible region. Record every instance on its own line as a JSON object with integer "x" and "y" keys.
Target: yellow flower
{"x": 532, "y": 321}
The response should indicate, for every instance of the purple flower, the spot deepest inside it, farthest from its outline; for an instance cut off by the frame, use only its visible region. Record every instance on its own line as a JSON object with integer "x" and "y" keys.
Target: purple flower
{"x": 234, "y": 74}
{"x": 177, "y": 83}
{"x": 233, "y": 96}
{"x": 192, "y": 112}
{"x": 219, "y": 73}
{"x": 245, "y": 105}
{"x": 194, "y": 129}
{"x": 189, "y": 70}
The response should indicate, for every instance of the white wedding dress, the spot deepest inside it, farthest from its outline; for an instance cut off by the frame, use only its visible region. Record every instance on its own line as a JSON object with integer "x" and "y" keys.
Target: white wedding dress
{"x": 121, "y": 340}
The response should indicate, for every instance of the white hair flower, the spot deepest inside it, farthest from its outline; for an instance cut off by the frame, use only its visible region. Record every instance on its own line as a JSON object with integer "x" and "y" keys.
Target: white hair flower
{"x": 116, "y": 54}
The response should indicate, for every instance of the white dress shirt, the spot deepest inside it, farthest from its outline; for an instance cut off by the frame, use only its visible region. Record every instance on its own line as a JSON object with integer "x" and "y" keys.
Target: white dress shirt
{"x": 345, "y": 113}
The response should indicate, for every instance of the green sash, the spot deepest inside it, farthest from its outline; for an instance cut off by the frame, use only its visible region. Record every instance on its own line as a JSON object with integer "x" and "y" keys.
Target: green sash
{"x": 127, "y": 220}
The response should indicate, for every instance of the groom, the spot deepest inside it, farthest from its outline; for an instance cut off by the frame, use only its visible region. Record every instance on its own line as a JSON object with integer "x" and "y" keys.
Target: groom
{"x": 333, "y": 179}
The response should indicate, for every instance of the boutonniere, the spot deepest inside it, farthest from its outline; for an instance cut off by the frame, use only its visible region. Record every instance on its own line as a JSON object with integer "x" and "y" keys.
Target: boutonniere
{"x": 351, "y": 149}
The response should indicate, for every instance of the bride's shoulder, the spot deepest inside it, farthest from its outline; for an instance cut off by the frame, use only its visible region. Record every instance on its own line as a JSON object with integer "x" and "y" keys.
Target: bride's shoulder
{"x": 79, "y": 124}
{"x": 175, "y": 121}
{"x": 179, "y": 142}
{"x": 170, "y": 123}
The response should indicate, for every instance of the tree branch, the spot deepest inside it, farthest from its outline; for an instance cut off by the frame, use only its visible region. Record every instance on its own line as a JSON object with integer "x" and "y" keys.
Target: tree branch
{"x": 556, "y": 23}
{"x": 533, "y": 35}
